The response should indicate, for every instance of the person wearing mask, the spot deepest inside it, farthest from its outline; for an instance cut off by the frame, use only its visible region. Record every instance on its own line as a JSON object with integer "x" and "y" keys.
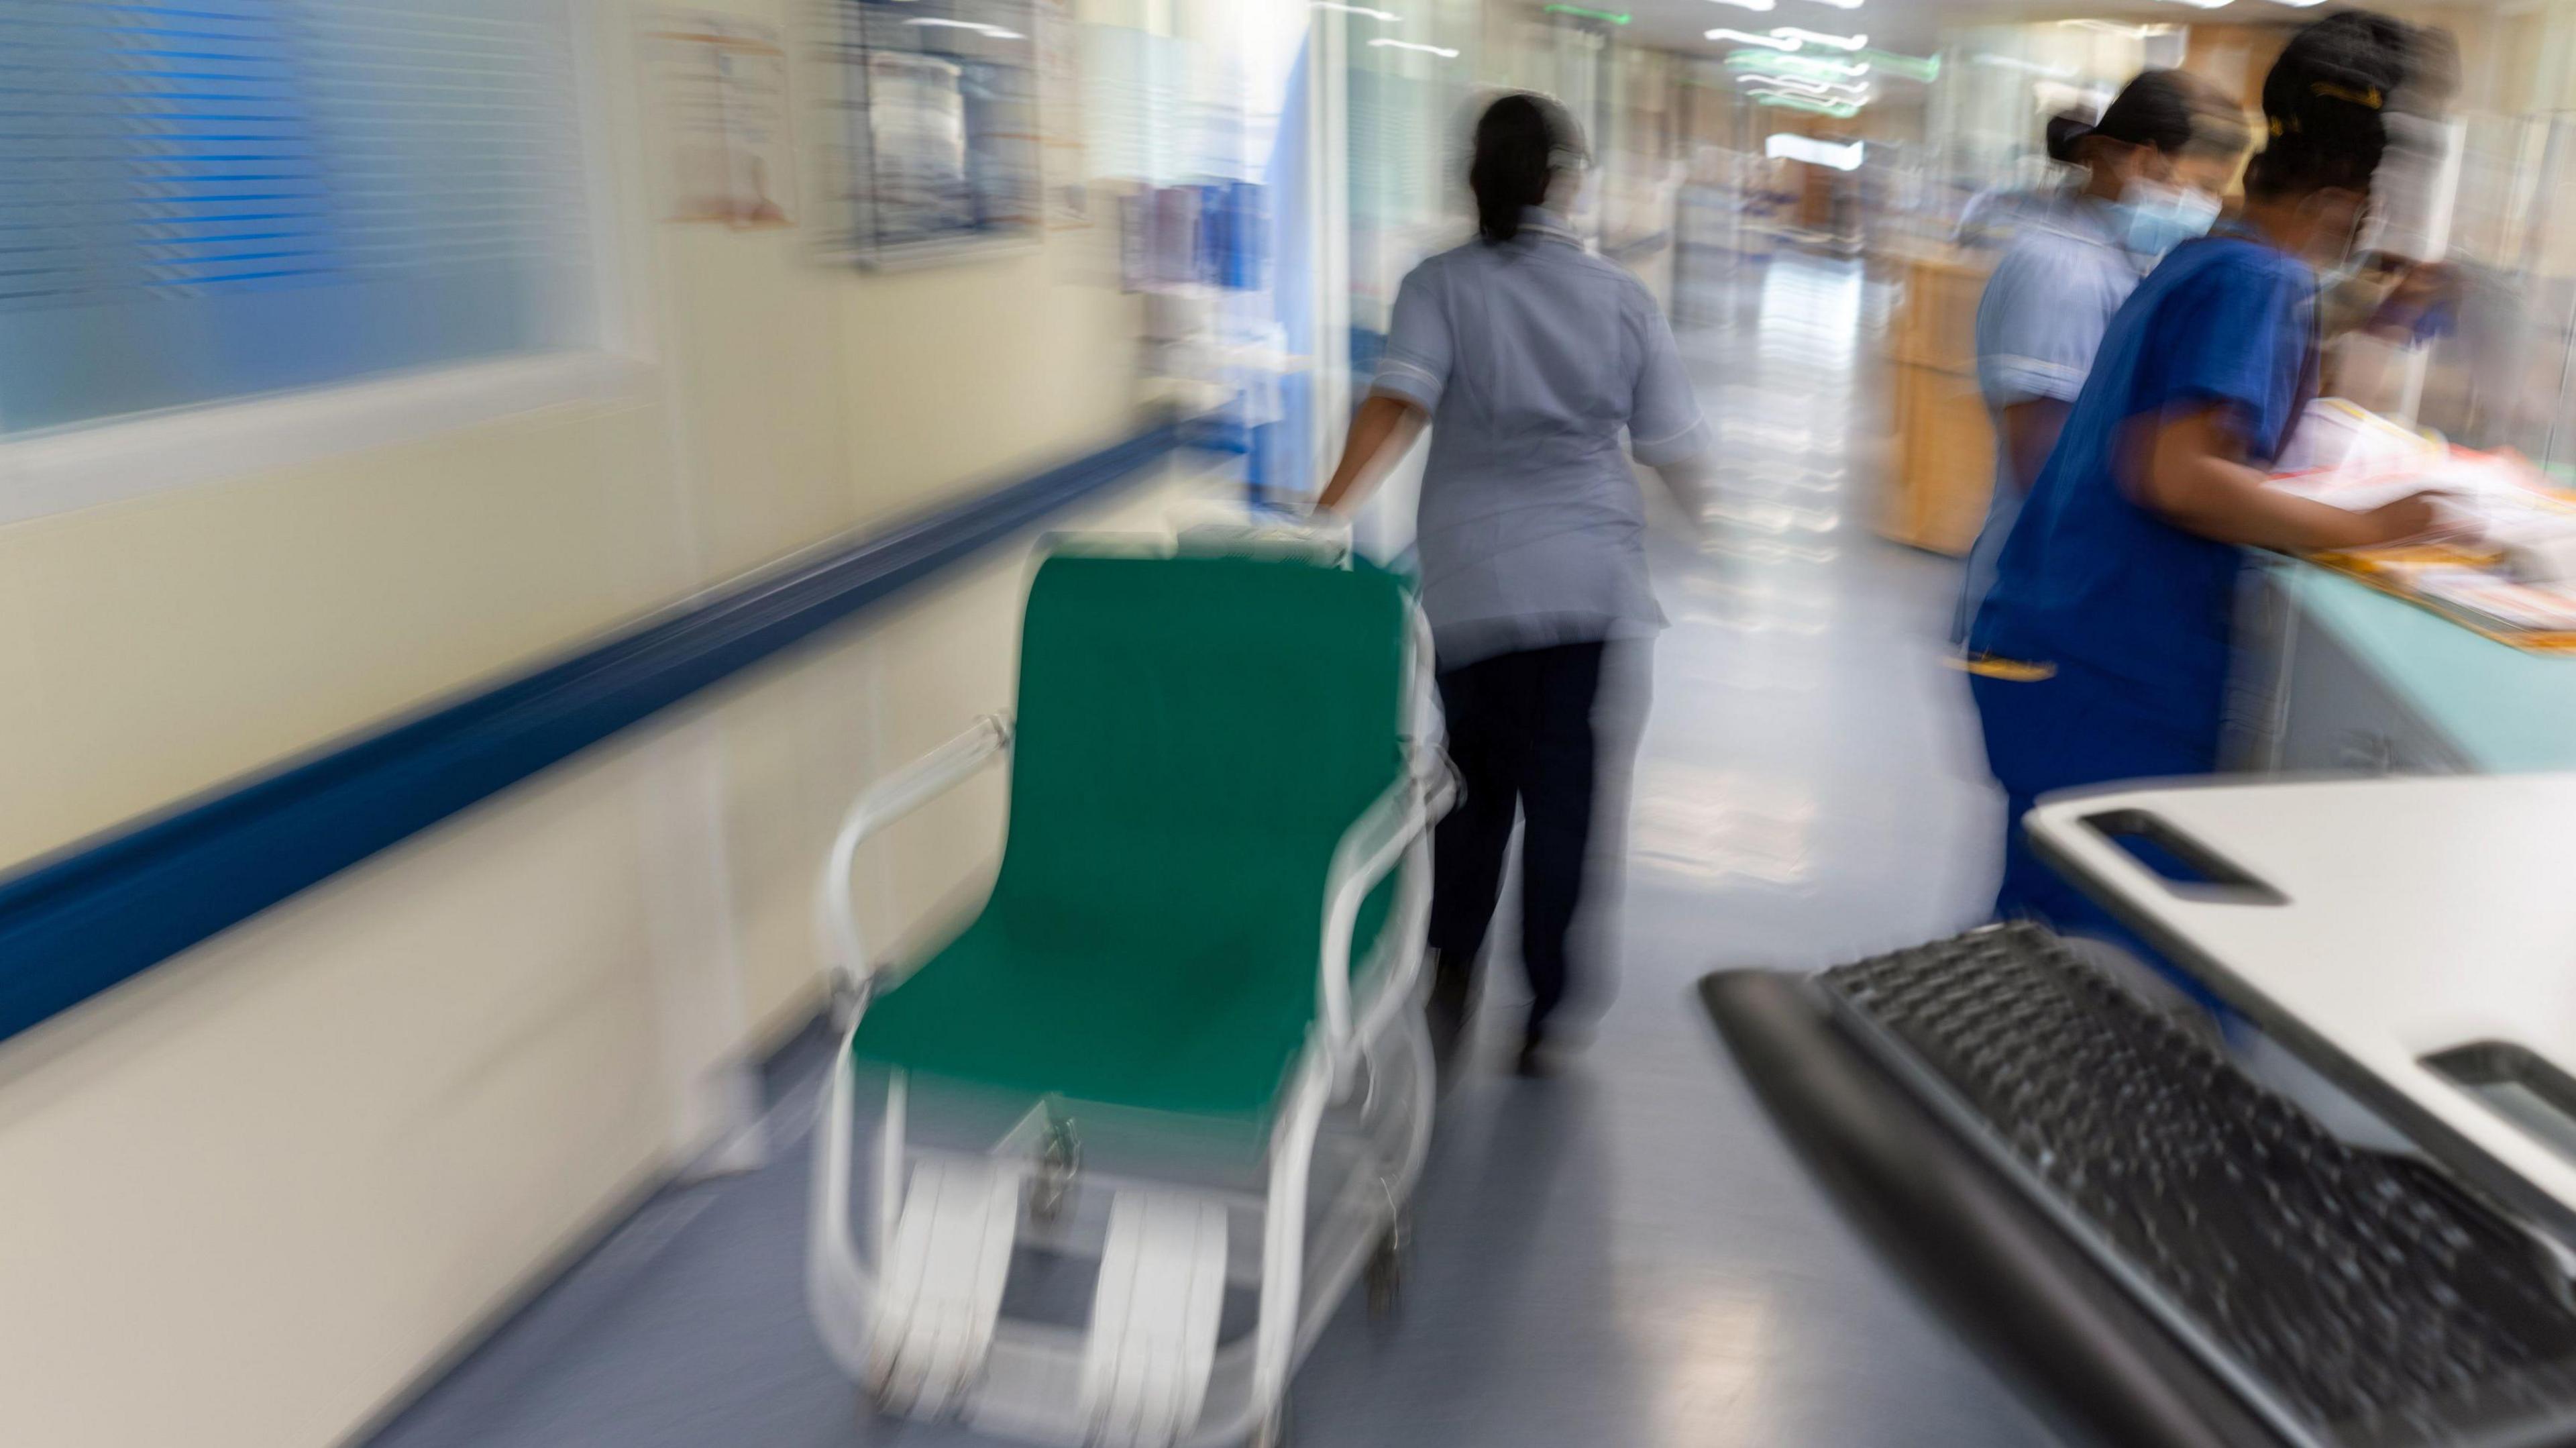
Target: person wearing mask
{"x": 2102, "y": 652}
{"x": 1527, "y": 358}
{"x": 2153, "y": 170}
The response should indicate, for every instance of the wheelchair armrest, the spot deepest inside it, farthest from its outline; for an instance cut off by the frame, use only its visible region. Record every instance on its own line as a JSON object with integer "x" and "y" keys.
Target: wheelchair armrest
{"x": 898, "y": 794}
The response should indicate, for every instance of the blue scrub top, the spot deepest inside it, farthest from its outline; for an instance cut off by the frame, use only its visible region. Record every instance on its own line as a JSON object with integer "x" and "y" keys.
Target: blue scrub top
{"x": 2094, "y": 583}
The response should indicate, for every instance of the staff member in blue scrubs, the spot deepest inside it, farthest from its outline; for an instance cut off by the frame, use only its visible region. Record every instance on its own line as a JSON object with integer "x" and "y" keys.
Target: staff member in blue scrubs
{"x": 2102, "y": 651}
{"x": 2154, "y": 165}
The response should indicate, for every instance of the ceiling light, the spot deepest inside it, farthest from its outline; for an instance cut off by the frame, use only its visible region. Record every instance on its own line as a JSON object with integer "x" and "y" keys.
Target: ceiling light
{"x": 1810, "y": 37}
{"x": 2143, "y": 32}
{"x": 1912, "y": 67}
{"x": 1843, "y": 4}
{"x": 1442, "y": 51}
{"x": 1750, "y": 38}
{"x": 1839, "y": 110}
{"x": 1806, "y": 87}
{"x": 1789, "y": 147}
{"x": 1388, "y": 16}
{"x": 1749, "y": 4}
{"x": 1822, "y": 67}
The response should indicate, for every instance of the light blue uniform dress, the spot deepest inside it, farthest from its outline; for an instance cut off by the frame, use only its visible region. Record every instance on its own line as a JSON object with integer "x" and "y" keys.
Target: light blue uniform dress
{"x": 2038, "y": 325}
{"x": 1534, "y": 358}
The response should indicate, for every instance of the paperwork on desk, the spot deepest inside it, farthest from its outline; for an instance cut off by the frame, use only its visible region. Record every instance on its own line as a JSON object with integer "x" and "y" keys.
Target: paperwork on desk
{"x": 2510, "y": 571}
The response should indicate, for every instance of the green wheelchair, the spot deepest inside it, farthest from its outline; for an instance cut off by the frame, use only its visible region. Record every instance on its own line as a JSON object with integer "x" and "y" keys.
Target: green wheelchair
{"x": 1207, "y": 925}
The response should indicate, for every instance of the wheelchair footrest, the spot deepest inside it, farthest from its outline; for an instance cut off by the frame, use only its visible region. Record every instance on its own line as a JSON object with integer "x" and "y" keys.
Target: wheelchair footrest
{"x": 942, "y": 1289}
{"x": 1154, "y": 1319}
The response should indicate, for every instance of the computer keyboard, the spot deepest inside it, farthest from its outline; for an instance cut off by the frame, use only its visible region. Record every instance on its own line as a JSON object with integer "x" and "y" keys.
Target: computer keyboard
{"x": 2354, "y": 1298}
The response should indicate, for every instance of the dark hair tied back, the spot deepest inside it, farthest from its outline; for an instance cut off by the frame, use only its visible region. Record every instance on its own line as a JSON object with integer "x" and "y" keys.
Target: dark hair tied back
{"x": 2325, "y": 104}
{"x": 2066, "y": 131}
{"x": 2155, "y": 110}
{"x": 1522, "y": 140}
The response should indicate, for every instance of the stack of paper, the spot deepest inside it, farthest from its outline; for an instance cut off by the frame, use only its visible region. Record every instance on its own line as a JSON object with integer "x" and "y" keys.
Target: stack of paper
{"x": 2487, "y": 600}
{"x": 2497, "y": 500}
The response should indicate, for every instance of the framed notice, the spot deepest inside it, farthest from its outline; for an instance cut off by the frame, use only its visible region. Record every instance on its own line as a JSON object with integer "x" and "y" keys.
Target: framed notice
{"x": 719, "y": 88}
{"x": 930, "y": 130}
{"x": 1061, "y": 169}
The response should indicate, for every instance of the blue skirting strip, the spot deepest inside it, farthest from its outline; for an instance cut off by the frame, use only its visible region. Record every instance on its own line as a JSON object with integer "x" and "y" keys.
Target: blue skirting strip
{"x": 82, "y": 921}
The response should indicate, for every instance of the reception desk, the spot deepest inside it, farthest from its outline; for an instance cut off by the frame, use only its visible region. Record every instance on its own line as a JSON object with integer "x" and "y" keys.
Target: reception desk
{"x": 2344, "y": 678}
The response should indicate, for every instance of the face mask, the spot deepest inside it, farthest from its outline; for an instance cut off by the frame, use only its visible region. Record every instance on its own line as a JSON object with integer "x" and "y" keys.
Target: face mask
{"x": 2156, "y": 218}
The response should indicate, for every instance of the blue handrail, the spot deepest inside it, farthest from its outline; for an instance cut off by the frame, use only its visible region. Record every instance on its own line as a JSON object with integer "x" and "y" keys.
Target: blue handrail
{"x": 109, "y": 908}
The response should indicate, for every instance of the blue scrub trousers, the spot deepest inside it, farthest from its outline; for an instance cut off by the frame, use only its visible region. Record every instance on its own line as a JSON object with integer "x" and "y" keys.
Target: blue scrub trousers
{"x": 2063, "y": 733}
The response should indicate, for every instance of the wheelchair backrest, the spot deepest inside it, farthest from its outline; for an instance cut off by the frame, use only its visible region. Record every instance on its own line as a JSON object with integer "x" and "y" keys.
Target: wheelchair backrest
{"x": 1194, "y": 736}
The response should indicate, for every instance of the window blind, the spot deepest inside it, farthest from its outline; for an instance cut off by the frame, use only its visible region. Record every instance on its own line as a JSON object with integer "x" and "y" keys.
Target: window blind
{"x": 210, "y": 199}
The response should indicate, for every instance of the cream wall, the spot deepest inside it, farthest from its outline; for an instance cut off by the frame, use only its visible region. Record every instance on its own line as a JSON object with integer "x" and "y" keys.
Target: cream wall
{"x": 247, "y": 1198}
{"x": 156, "y": 647}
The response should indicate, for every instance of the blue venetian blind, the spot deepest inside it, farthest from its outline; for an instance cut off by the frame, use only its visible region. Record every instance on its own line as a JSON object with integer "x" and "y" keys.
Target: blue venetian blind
{"x": 212, "y": 199}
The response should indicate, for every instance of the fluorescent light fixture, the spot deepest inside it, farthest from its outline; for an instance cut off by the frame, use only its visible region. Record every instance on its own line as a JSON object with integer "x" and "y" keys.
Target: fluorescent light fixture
{"x": 1811, "y": 37}
{"x": 1801, "y": 86}
{"x": 1843, "y": 4}
{"x": 1388, "y": 16}
{"x": 1749, "y": 38}
{"x": 1442, "y": 51}
{"x": 1912, "y": 67}
{"x": 1606, "y": 17}
{"x": 2203, "y": 4}
{"x": 2298, "y": 4}
{"x": 1788, "y": 147}
{"x": 1748, "y": 4}
{"x": 1817, "y": 66}
{"x": 1839, "y": 110}
{"x": 2143, "y": 32}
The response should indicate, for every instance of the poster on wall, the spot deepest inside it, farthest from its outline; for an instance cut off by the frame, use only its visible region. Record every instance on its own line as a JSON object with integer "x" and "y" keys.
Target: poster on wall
{"x": 930, "y": 128}
{"x": 719, "y": 88}
{"x": 1062, "y": 167}
{"x": 916, "y": 117}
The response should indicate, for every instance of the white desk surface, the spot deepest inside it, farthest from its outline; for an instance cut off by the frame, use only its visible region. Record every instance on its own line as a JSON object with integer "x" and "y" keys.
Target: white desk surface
{"x": 2422, "y": 914}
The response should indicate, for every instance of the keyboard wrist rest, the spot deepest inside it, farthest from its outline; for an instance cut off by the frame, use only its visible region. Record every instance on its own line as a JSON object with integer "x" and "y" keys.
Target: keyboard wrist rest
{"x": 1966, "y": 1237}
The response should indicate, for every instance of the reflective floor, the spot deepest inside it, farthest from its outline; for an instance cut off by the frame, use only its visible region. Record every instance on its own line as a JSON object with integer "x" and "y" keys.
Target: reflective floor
{"x": 1621, "y": 1256}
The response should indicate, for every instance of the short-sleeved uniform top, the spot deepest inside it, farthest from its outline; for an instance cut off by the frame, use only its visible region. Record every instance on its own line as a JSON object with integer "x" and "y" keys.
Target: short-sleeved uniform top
{"x": 1993, "y": 218}
{"x": 2039, "y": 324}
{"x": 2093, "y": 582}
{"x": 1533, "y": 357}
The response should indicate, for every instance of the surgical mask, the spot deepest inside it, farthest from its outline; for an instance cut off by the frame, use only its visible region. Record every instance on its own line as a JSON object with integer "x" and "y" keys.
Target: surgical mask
{"x": 2156, "y": 218}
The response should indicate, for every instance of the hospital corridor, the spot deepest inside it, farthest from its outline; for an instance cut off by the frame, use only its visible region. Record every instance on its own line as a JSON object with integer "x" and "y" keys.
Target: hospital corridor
{"x": 1190, "y": 723}
{"x": 1622, "y": 1255}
